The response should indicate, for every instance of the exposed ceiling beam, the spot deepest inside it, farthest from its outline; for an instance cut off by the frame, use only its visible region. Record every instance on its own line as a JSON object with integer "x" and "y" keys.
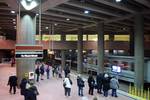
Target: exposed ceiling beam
{"x": 13, "y": 4}
{"x": 115, "y": 5}
{"x": 78, "y": 13}
{"x": 49, "y": 4}
{"x": 144, "y": 2}
{"x": 92, "y": 8}
{"x": 61, "y": 20}
{"x": 69, "y": 16}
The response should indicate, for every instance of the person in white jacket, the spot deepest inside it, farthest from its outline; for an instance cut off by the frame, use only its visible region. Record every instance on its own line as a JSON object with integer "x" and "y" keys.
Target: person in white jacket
{"x": 67, "y": 85}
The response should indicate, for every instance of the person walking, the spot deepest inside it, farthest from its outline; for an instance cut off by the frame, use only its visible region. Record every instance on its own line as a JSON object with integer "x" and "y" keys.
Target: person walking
{"x": 91, "y": 83}
{"x": 106, "y": 84}
{"x": 99, "y": 81}
{"x": 67, "y": 85}
{"x": 23, "y": 89}
{"x": 66, "y": 70}
{"x": 37, "y": 71}
{"x": 114, "y": 85}
{"x": 12, "y": 82}
{"x": 80, "y": 84}
{"x": 48, "y": 71}
{"x": 42, "y": 70}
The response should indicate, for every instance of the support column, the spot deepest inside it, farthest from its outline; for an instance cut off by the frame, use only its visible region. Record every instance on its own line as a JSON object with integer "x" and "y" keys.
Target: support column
{"x": 100, "y": 47}
{"x": 80, "y": 51}
{"x": 111, "y": 39}
{"x": 26, "y": 30}
{"x": 139, "y": 50}
{"x": 63, "y": 52}
{"x": 131, "y": 50}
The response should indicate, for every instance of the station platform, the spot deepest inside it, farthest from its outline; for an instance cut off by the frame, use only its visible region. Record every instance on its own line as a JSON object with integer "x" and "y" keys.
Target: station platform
{"x": 51, "y": 89}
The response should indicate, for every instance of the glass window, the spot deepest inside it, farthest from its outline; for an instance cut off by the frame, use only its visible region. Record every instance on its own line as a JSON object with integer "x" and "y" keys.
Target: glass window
{"x": 84, "y": 37}
{"x": 92, "y": 37}
{"x": 37, "y": 37}
{"x": 122, "y": 38}
{"x": 71, "y": 37}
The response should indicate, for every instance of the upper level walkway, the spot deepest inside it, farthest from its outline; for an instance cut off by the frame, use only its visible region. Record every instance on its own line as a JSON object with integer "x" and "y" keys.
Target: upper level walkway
{"x": 51, "y": 89}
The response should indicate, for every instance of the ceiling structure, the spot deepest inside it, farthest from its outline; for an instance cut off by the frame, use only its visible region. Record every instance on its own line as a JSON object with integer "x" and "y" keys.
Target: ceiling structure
{"x": 69, "y": 15}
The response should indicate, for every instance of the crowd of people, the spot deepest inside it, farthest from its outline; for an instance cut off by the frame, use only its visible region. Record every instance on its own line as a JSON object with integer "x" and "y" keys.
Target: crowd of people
{"x": 102, "y": 82}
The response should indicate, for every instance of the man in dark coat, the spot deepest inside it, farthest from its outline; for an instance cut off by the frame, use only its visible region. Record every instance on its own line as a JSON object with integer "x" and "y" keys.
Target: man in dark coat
{"x": 91, "y": 83}
{"x": 12, "y": 82}
{"x": 99, "y": 81}
{"x": 37, "y": 71}
{"x": 80, "y": 84}
{"x": 23, "y": 87}
{"x": 106, "y": 84}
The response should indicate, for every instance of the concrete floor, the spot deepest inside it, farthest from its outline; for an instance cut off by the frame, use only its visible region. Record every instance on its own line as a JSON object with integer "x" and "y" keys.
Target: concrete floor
{"x": 51, "y": 89}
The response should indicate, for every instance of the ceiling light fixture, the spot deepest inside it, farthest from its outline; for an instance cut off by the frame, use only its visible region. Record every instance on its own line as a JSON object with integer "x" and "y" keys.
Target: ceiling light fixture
{"x": 67, "y": 19}
{"x": 29, "y": 4}
{"x": 86, "y": 11}
{"x": 12, "y": 11}
{"x": 118, "y": 0}
{"x": 55, "y": 24}
{"x": 14, "y": 19}
{"x": 37, "y": 14}
{"x": 46, "y": 27}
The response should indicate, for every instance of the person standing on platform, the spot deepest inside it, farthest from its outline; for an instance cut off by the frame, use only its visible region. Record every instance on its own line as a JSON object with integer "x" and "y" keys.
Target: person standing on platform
{"x": 106, "y": 85}
{"x": 42, "y": 70}
{"x": 99, "y": 81}
{"x": 59, "y": 71}
{"x": 48, "y": 71}
{"x": 66, "y": 70}
{"x": 80, "y": 84}
{"x": 67, "y": 82}
{"x": 114, "y": 85}
{"x": 37, "y": 71}
{"x": 12, "y": 82}
{"x": 91, "y": 83}
{"x": 32, "y": 92}
{"x": 23, "y": 89}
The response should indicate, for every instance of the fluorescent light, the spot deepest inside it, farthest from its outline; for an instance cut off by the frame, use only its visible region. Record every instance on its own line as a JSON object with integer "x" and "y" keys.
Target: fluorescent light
{"x": 118, "y": 0}
{"x": 86, "y": 11}
{"x": 29, "y": 5}
{"x": 46, "y": 27}
{"x": 14, "y": 19}
{"x": 55, "y": 24}
{"x": 68, "y": 19}
{"x": 12, "y": 11}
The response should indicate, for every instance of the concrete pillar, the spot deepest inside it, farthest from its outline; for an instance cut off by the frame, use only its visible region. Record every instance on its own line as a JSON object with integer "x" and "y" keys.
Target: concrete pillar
{"x": 100, "y": 47}
{"x": 63, "y": 52}
{"x": 131, "y": 50}
{"x": 80, "y": 53}
{"x": 26, "y": 30}
{"x": 111, "y": 39}
{"x": 139, "y": 50}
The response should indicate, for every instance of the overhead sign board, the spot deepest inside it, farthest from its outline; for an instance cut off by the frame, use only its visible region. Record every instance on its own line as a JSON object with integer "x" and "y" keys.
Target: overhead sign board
{"x": 29, "y": 51}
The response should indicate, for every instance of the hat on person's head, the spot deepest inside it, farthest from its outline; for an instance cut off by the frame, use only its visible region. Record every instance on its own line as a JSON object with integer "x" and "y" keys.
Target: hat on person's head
{"x": 106, "y": 75}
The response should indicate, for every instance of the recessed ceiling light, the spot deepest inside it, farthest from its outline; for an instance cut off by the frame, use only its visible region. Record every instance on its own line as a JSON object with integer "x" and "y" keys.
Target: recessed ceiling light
{"x": 37, "y": 14}
{"x": 46, "y": 27}
{"x": 68, "y": 19}
{"x": 86, "y": 11}
{"x": 29, "y": 0}
{"x": 14, "y": 22}
{"x": 55, "y": 24}
{"x": 14, "y": 19}
{"x": 12, "y": 11}
{"x": 118, "y": 0}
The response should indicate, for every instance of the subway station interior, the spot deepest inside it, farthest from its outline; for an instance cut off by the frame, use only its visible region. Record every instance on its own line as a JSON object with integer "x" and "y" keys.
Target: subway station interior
{"x": 91, "y": 37}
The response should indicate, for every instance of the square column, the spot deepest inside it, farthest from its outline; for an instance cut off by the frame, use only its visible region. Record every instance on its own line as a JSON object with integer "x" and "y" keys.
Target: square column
{"x": 63, "y": 52}
{"x": 139, "y": 50}
{"x": 80, "y": 51}
{"x": 100, "y": 47}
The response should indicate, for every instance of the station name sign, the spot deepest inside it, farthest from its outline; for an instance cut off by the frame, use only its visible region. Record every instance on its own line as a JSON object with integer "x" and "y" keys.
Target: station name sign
{"x": 29, "y": 51}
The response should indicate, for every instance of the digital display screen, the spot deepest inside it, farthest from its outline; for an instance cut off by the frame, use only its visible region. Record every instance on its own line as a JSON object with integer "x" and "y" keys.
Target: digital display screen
{"x": 116, "y": 69}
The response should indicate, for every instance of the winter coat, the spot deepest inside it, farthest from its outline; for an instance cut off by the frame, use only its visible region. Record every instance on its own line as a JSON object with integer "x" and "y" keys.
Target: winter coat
{"x": 80, "y": 82}
{"x": 23, "y": 86}
{"x": 68, "y": 83}
{"x": 12, "y": 81}
{"x": 91, "y": 82}
{"x": 106, "y": 84}
{"x": 114, "y": 84}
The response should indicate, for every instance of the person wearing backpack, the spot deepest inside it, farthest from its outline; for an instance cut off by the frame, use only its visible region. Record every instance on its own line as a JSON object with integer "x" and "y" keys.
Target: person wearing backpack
{"x": 80, "y": 84}
{"x": 67, "y": 83}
